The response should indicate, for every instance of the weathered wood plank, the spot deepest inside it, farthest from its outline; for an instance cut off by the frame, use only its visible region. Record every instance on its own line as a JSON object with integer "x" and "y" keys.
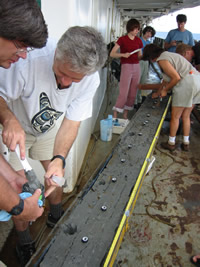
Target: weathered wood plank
{"x": 100, "y": 226}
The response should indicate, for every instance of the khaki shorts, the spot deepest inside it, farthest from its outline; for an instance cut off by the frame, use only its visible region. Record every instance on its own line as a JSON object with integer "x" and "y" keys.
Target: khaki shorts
{"x": 37, "y": 148}
{"x": 187, "y": 92}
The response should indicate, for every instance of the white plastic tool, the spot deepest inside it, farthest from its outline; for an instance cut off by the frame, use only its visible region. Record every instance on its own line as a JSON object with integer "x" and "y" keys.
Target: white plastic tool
{"x": 59, "y": 180}
{"x": 4, "y": 151}
{"x": 24, "y": 162}
{"x": 135, "y": 51}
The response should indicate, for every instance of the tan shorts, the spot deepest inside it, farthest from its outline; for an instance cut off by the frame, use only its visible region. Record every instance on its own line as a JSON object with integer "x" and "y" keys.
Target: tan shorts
{"x": 187, "y": 92}
{"x": 37, "y": 148}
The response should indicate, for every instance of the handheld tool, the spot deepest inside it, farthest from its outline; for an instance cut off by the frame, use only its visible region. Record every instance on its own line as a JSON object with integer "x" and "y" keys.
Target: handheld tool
{"x": 33, "y": 182}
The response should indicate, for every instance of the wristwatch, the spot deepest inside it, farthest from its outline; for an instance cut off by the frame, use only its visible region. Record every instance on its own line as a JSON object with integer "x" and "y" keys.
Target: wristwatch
{"x": 59, "y": 157}
{"x": 16, "y": 210}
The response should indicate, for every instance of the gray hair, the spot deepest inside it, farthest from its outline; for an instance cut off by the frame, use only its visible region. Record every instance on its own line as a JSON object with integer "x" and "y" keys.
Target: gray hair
{"x": 22, "y": 20}
{"x": 83, "y": 48}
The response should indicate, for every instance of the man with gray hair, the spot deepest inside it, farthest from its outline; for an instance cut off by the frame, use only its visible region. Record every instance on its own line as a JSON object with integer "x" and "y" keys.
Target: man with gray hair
{"x": 22, "y": 28}
{"x": 53, "y": 81}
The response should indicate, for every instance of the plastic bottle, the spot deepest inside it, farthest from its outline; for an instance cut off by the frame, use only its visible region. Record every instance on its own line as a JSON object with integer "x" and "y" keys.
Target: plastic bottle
{"x": 106, "y": 129}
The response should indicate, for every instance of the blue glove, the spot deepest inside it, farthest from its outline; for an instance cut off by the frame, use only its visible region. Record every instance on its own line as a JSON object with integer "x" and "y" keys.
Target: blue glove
{"x": 5, "y": 216}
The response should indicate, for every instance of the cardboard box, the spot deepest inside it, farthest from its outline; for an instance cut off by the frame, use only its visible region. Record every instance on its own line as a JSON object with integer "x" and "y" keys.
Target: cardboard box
{"x": 119, "y": 125}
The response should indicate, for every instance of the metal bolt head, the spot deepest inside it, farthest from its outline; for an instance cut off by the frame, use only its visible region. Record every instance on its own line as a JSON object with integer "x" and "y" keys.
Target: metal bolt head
{"x": 103, "y": 208}
{"x": 114, "y": 179}
{"x": 129, "y": 146}
{"x": 123, "y": 160}
{"x": 144, "y": 123}
{"x": 85, "y": 239}
{"x": 153, "y": 107}
{"x": 148, "y": 115}
{"x": 140, "y": 134}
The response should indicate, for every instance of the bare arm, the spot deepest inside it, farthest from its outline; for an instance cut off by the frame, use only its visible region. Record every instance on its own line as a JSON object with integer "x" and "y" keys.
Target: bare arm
{"x": 172, "y": 73}
{"x": 9, "y": 198}
{"x": 64, "y": 140}
{"x": 116, "y": 54}
{"x": 12, "y": 177}
{"x": 12, "y": 133}
{"x": 140, "y": 54}
{"x": 147, "y": 86}
{"x": 168, "y": 45}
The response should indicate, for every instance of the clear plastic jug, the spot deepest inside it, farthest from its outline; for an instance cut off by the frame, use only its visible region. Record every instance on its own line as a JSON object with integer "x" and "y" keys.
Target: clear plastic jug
{"x": 106, "y": 129}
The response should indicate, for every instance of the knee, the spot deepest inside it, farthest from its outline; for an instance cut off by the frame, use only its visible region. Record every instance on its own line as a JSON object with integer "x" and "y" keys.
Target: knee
{"x": 175, "y": 118}
{"x": 186, "y": 117}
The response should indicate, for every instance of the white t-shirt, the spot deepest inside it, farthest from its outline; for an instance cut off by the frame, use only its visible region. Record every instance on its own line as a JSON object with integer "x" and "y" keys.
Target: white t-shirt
{"x": 30, "y": 89}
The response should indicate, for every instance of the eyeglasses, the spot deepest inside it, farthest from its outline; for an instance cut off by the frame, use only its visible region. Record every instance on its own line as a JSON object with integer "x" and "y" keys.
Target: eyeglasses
{"x": 22, "y": 50}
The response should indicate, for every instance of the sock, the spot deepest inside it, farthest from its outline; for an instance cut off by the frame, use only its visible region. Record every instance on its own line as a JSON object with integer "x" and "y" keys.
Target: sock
{"x": 172, "y": 140}
{"x": 56, "y": 210}
{"x": 186, "y": 139}
{"x": 24, "y": 237}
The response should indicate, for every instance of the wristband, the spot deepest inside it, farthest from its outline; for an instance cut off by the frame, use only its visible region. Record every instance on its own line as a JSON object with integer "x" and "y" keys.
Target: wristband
{"x": 59, "y": 157}
{"x": 16, "y": 210}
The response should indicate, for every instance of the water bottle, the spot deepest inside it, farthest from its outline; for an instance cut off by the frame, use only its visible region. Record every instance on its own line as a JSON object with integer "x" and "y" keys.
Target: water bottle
{"x": 106, "y": 129}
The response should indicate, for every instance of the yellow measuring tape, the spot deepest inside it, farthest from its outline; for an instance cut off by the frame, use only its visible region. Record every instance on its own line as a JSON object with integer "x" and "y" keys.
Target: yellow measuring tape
{"x": 123, "y": 226}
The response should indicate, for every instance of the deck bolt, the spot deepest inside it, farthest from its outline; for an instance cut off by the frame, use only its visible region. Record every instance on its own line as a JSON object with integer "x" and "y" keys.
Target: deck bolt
{"x": 140, "y": 134}
{"x": 114, "y": 179}
{"x": 103, "y": 208}
{"x": 85, "y": 239}
{"x": 129, "y": 146}
{"x": 148, "y": 115}
{"x": 123, "y": 160}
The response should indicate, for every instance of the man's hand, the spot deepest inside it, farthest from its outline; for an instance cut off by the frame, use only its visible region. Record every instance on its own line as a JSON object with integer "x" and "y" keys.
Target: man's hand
{"x": 14, "y": 134}
{"x": 17, "y": 182}
{"x": 31, "y": 209}
{"x": 173, "y": 43}
{"x": 55, "y": 168}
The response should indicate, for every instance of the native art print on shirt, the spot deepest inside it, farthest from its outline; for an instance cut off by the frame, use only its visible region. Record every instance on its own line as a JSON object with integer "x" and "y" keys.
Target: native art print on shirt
{"x": 46, "y": 117}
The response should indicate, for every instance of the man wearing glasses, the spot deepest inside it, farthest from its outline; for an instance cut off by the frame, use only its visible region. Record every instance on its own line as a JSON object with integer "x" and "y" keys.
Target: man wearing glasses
{"x": 21, "y": 52}
{"x": 21, "y": 26}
